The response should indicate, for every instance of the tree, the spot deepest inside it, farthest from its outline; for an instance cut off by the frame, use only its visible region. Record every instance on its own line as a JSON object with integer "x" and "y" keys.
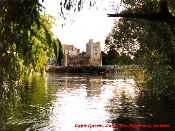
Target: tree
{"x": 124, "y": 59}
{"x": 165, "y": 13}
{"x": 112, "y": 56}
{"x": 156, "y": 45}
{"x": 60, "y": 53}
{"x": 25, "y": 37}
{"x": 16, "y": 19}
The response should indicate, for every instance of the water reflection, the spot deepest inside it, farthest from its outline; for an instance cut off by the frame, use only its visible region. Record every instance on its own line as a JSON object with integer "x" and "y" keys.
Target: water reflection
{"x": 77, "y": 102}
{"x": 31, "y": 107}
{"x": 61, "y": 102}
{"x": 94, "y": 84}
{"x": 89, "y": 100}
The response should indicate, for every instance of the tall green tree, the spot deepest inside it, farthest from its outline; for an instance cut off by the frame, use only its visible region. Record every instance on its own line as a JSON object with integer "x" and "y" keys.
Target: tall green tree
{"x": 151, "y": 42}
{"x": 25, "y": 38}
{"x": 16, "y": 20}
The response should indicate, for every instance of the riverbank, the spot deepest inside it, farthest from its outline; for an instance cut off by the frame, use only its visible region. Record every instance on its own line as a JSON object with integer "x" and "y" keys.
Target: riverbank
{"x": 78, "y": 69}
{"x": 120, "y": 69}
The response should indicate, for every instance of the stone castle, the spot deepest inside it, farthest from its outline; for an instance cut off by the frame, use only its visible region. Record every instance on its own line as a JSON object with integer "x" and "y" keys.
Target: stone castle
{"x": 73, "y": 57}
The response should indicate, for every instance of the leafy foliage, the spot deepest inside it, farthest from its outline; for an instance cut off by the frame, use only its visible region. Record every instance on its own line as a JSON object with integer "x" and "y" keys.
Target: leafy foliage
{"x": 112, "y": 57}
{"x": 25, "y": 39}
{"x": 153, "y": 45}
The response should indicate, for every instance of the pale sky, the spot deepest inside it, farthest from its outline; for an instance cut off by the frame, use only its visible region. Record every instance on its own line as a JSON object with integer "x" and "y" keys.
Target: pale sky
{"x": 88, "y": 24}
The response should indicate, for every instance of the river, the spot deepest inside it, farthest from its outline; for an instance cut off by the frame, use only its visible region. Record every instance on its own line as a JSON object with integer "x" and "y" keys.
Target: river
{"x": 82, "y": 102}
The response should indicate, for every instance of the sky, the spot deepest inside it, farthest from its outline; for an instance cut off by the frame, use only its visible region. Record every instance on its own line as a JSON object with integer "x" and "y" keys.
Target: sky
{"x": 84, "y": 25}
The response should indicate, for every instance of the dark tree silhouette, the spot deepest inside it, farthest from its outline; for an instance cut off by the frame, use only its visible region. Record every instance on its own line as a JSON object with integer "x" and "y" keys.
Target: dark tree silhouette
{"x": 162, "y": 15}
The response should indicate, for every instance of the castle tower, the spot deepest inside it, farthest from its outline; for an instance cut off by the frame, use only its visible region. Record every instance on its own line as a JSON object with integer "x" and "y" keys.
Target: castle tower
{"x": 93, "y": 51}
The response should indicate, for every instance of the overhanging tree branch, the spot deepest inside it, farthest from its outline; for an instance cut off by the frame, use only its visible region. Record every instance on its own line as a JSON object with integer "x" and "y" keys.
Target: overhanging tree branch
{"x": 163, "y": 15}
